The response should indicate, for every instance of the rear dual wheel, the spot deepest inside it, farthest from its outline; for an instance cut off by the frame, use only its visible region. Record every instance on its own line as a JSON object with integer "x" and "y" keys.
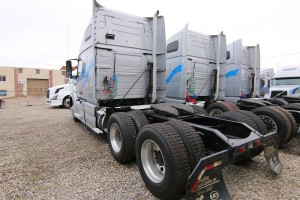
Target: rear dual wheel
{"x": 166, "y": 154}
{"x": 275, "y": 121}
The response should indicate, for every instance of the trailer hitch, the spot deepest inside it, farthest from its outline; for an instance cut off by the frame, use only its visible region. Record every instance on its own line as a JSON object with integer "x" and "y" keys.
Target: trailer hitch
{"x": 270, "y": 142}
{"x": 206, "y": 181}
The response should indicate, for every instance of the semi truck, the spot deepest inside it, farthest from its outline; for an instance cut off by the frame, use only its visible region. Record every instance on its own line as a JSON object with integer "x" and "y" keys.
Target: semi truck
{"x": 121, "y": 92}
{"x": 202, "y": 70}
{"x": 60, "y": 95}
{"x": 266, "y": 75}
{"x": 286, "y": 83}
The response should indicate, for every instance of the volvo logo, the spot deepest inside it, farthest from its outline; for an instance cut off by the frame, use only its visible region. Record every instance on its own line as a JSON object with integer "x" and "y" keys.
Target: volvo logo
{"x": 214, "y": 195}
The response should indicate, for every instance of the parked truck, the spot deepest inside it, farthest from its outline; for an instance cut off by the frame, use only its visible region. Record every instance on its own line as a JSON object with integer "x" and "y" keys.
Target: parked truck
{"x": 266, "y": 75}
{"x": 201, "y": 70}
{"x": 121, "y": 92}
{"x": 60, "y": 95}
{"x": 286, "y": 84}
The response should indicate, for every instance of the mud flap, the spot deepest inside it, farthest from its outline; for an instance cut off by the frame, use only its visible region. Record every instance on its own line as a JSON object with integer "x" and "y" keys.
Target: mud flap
{"x": 270, "y": 142}
{"x": 206, "y": 181}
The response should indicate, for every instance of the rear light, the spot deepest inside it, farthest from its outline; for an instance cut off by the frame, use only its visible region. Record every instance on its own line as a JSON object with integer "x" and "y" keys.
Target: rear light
{"x": 206, "y": 168}
{"x": 241, "y": 149}
{"x": 257, "y": 143}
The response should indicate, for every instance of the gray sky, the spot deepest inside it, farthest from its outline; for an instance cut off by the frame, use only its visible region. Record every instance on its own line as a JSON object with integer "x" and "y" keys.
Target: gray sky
{"x": 44, "y": 33}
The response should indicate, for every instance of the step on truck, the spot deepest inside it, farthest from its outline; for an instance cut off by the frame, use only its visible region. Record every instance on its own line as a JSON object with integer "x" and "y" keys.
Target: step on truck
{"x": 121, "y": 92}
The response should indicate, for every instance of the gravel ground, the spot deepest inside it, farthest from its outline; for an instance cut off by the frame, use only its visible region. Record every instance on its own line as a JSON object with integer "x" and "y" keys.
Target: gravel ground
{"x": 44, "y": 154}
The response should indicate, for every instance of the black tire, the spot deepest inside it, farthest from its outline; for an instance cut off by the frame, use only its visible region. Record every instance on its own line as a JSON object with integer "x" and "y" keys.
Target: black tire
{"x": 279, "y": 102}
{"x": 199, "y": 110}
{"x": 233, "y": 106}
{"x": 273, "y": 120}
{"x": 160, "y": 149}
{"x": 292, "y": 121}
{"x": 292, "y": 106}
{"x": 261, "y": 127}
{"x": 66, "y": 102}
{"x": 138, "y": 118}
{"x": 241, "y": 117}
{"x": 121, "y": 137}
{"x": 287, "y": 121}
{"x": 191, "y": 139}
{"x": 218, "y": 108}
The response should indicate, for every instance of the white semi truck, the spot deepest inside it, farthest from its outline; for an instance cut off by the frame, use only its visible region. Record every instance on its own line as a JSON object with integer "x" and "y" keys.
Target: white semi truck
{"x": 121, "y": 92}
{"x": 286, "y": 82}
{"x": 60, "y": 95}
{"x": 266, "y": 75}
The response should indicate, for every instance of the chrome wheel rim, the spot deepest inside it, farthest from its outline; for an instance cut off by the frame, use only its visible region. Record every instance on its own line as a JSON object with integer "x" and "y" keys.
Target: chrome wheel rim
{"x": 215, "y": 112}
{"x": 67, "y": 103}
{"x": 153, "y": 161}
{"x": 115, "y": 137}
{"x": 270, "y": 123}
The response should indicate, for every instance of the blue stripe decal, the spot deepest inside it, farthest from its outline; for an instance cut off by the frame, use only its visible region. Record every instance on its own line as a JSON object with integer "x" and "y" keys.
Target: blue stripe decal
{"x": 232, "y": 73}
{"x": 86, "y": 77}
{"x": 176, "y": 70}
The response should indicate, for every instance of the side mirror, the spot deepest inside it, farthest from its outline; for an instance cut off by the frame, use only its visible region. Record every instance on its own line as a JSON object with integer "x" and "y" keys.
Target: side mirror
{"x": 69, "y": 68}
{"x": 227, "y": 55}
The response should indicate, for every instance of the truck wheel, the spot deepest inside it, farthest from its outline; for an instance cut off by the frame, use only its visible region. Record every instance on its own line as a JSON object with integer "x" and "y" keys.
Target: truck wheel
{"x": 138, "y": 118}
{"x": 292, "y": 120}
{"x": 233, "y": 106}
{"x": 273, "y": 121}
{"x": 279, "y": 102}
{"x": 66, "y": 102}
{"x": 238, "y": 117}
{"x": 162, "y": 160}
{"x": 199, "y": 110}
{"x": 191, "y": 139}
{"x": 257, "y": 120}
{"x": 121, "y": 137}
{"x": 292, "y": 106}
{"x": 218, "y": 108}
{"x": 247, "y": 119}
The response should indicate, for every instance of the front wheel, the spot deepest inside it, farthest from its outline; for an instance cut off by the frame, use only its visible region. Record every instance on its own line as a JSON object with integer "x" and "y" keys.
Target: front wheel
{"x": 162, "y": 160}
{"x": 66, "y": 102}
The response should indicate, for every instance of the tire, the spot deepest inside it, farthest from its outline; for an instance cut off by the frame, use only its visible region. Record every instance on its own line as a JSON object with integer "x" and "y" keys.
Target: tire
{"x": 191, "y": 139}
{"x": 121, "y": 137}
{"x": 66, "y": 102}
{"x": 279, "y": 102}
{"x": 218, "y": 108}
{"x": 138, "y": 118}
{"x": 199, "y": 110}
{"x": 287, "y": 121}
{"x": 261, "y": 127}
{"x": 292, "y": 121}
{"x": 233, "y": 106}
{"x": 162, "y": 160}
{"x": 242, "y": 117}
{"x": 292, "y": 106}
{"x": 273, "y": 121}
{"x": 238, "y": 117}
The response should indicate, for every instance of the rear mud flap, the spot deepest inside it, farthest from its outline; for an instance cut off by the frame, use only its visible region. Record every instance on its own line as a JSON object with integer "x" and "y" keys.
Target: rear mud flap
{"x": 271, "y": 152}
{"x": 206, "y": 181}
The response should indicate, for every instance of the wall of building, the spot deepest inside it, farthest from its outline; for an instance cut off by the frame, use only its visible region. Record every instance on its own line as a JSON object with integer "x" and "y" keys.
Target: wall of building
{"x": 17, "y": 79}
{"x": 7, "y": 85}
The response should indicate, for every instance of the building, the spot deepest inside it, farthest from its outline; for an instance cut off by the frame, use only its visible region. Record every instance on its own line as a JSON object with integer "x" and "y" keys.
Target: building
{"x": 28, "y": 81}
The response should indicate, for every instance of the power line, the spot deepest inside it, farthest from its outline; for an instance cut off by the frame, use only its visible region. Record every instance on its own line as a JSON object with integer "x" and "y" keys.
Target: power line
{"x": 282, "y": 55}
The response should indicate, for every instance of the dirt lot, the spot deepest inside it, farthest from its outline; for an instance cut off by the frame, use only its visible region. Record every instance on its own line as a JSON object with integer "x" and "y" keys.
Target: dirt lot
{"x": 44, "y": 154}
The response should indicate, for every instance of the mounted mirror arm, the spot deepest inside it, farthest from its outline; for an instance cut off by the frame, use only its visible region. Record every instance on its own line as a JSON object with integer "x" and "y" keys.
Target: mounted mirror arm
{"x": 69, "y": 68}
